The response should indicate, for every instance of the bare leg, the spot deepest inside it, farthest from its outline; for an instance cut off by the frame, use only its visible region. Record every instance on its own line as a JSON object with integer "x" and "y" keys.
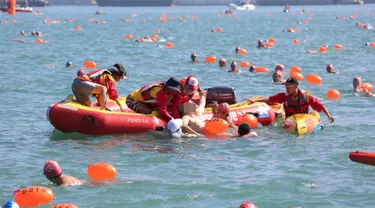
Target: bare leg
{"x": 102, "y": 92}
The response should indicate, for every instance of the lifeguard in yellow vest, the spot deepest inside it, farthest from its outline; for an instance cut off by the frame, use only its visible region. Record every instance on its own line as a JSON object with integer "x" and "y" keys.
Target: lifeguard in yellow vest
{"x": 99, "y": 83}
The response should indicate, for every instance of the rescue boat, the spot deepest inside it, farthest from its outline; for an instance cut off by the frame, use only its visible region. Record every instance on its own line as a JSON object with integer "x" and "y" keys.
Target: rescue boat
{"x": 68, "y": 116}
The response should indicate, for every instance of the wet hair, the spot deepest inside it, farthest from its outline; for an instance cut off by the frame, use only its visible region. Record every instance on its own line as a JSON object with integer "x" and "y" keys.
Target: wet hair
{"x": 243, "y": 129}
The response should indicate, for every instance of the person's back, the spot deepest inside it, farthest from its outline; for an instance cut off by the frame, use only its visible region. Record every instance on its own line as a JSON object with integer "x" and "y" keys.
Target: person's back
{"x": 193, "y": 119}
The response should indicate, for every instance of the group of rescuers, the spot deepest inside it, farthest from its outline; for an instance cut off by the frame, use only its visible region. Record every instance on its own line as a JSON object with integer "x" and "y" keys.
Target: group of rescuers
{"x": 174, "y": 93}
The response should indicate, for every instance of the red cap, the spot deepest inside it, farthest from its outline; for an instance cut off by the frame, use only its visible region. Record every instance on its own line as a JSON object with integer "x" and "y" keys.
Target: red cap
{"x": 191, "y": 85}
{"x": 357, "y": 78}
{"x": 52, "y": 169}
{"x": 223, "y": 107}
{"x": 247, "y": 204}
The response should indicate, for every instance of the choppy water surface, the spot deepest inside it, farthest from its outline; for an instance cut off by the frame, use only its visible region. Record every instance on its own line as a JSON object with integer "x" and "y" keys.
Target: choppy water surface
{"x": 275, "y": 169}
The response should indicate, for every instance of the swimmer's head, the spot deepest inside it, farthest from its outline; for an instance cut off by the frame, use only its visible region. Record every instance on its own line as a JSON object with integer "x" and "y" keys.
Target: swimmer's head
{"x": 222, "y": 63}
{"x": 367, "y": 44}
{"x": 44, "y": 21}
{"x": 52, "y": 170}
{"x": 247, "y": 204}
{"x": 33, "y": 33}
{"x": 237, "y": 49}
{"x": 357, "y": 81}
{"x": 174, "y": 127}
{"x": 10, "y": 204}
{"x": 233, "y": 65}
{"x": 252, "y": 68}
{"x": 279, "y": 67}
{"x": 22, "y": 32}
{"x": 69, "y": 64}
{"x": 260, "y": 42}
{"x": 223, "y": 110}
{"x": 194, "y": 57}
{"x": 212, "y": 30}
{"x": 243, "y": 129}
{"x": 37, "y": 33}
{"x": 326, "y": 46}
{"x": 329, "y": 68}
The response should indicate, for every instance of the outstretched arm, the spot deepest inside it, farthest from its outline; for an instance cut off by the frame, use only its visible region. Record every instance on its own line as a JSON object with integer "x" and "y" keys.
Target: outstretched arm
{"x": 325, "y": 111}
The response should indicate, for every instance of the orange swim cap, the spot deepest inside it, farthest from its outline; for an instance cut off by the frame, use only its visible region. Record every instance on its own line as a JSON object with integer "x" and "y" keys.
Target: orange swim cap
{"x": 52, "y": 169}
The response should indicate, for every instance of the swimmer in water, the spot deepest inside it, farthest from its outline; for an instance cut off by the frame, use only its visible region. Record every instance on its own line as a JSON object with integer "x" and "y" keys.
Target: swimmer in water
{"x": 357, "y": 82}
{"x": 233, "y": 68}
{"x": 194, "y": 58}
{"x": 69, "y": 64}
{"x": 22, "y": 33}
{"x": 53, "y": 172}
{"x": 244, "y": 130}
{"x": 10, "y": 204}
{"x": 237, "y": 50}
{"x": 222, "y": 63}
{"x": 38, "y": 34}
{"x": 33, "y": 33}
{"x": 330, "y": 69}
{"x": 278, "y": 75}
{"x": 261, "y": 44}
{"x": 252, "y": 69}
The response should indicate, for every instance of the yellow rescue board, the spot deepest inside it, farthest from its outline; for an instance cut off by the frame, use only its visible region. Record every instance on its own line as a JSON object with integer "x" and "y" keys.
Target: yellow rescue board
{"x": 302, "y": 123}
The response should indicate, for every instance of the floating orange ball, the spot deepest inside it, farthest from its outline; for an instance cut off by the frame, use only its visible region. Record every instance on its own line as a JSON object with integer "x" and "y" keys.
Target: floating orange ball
{"x": 305, "y": 22}
{"x": 372, "y": 44}
{"x": 367, "y": 86}
{"x": 33, "y": 196}
{"x": 338, "y": 46}
{"x": 269, "y": 45}
{"x": 129, "y": 36}
{"x": 333, "y": 94}
{"x": 244, "y": 64}
{"x": 89, "y": 64}
{"x": 313, "y": 79}
{"x": 219, "y": 30}
{"x": 295, "y": 69}
{"x": 296, "y": 75}
{"x": 271, "y": 40}
{"x": 63, "y": 206}
{"x": 322, "y": 49}
{"x": 210, "y": 59}
{"x": 39, "y": 41}
{"x": 101, "y": 171}
{"x": 215, "y": 125}
{"x": 169, "y": 45}
{"x": 157, "y": 31}
{"x": 77, "y": 28}
{"x": 261, "y": 69}
{"x": 243, "y": 51}
{"x": 295, "y": 41}
{"x": 250, "y": 119}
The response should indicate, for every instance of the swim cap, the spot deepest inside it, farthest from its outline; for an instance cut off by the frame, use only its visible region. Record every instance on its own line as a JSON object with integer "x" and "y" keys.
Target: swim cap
{"x": 37, "y": 33}
{"x": 223, "y": 107}
{"x": 280, "y": 67}
{"x": 357, "y": 79}
{"x": 52, "y": 169}
{"x": 119, "y": 70}
{"x": 10, "y": 204}
{"x": 237, "y": 49}
{"x": 367, "y": 44}
{"x": 174, "y": 127}
{"x": 252, "y": 68}
{"x": 174, "y": 84}
{"x": 191, "y": 85}
{"x": 233, "y": 65}
{"x": 193, "y": 55}
{"x": 247, "y": 204}
{"x": 22, "y": 32}
{"x": 69, "y": 64}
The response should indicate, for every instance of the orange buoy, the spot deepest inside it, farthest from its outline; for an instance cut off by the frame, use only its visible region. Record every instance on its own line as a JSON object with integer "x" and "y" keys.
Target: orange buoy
{"x": 322, "y": 49}
{"x": 129, "y": 36}
{"x": 14, "y": 21}
{"x": 210, "y": 59}
{"x": 313, "y": 79}
{"x": 39, "y": 41}
{"x": 244, "y": 64}
{"x": 295, "y": 41}
{"x": 11, "y": 7}
{"x": 271, "y": 40}
{"x": 250, "y": 119}
{"x": 169, "y": 45}
{"x": 305, "y": 22}
{"x": 338, "y": 46}
{"x": 243, "y": 51}
{"x": 103, "y": 22}
{"x": 101, "y": 171}
{"x": 269, "y": 45}
{"x": 215, "y": 125}
{"x": 89, "y": 64}
{"x": 261, "y": 69}
{"x": 157, "y": 31}
{"x": 63, "y": 206}
{"x": 219, "y": 29}
{"x": 155, "y": 36}
{"x": 372, "y": 44}
{"x": 295, "y": 69}
{"x": 33, "y": 196}
{"x": 333, "y": 94}
{"x": 296, "y": 30}
{"x": 77, "y": 28}
{"x": 296, "y": 75}
{"x": 367, "y": 86}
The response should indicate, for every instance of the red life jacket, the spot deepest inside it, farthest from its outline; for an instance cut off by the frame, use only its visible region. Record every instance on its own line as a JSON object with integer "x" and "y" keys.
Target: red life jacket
{"x": 301, "y": 105}
{"x": 146, "y": 91}
{"x": 94, "y": 76}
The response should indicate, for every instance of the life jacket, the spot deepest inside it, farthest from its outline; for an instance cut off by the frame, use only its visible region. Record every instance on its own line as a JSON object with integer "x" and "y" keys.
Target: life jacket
{"x": 301, "y": 105}
{"x": 96, "y": 76}
{"x": 146, "y": 92}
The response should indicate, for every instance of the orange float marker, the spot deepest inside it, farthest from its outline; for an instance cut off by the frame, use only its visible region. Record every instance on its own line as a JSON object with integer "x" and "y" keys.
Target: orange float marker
{"x": 271, "y": 40}
{"x": 338, "y": 46}
{"x": 249, "y": 119}
{"x": 101, "y": 171}
{"x": 33, "y": 196}
{"x": 295, "y": 69}
{"x": 367, "y": 86}
{"x": 261, "y": 70}
{"x": 215, "y": 126}
{"x": 63, "y": 206}
{"x": 89, "y": 64}
{"x": 296, "y": 75}
{"x": 169, "y": 45}
{"x": 39, "y": 41}
{"x": 78, "y": 28}
{"x": 333, "y": 94}
{"x": 244, "y": 64}
{"x": 129, "y": 36}
{"x": 313, "y": 79}
{"x": 210, "y": 59}
{"x": 295, "y": 41}
{"x": 243, "y": 51}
